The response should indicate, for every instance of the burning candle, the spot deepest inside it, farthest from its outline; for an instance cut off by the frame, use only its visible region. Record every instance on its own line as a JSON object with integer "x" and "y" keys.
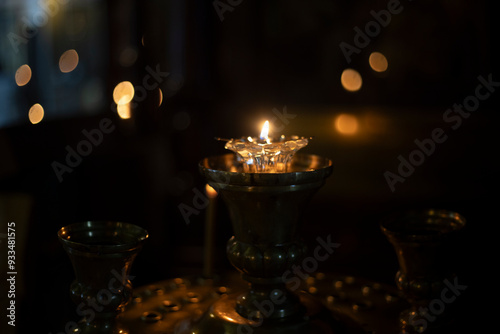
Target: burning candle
{"x": 266, "y": 154}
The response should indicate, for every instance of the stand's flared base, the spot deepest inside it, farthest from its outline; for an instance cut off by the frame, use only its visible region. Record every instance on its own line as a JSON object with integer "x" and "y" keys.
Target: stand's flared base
{"x": 180, "y": 304}
{"x": 222, "y": 318}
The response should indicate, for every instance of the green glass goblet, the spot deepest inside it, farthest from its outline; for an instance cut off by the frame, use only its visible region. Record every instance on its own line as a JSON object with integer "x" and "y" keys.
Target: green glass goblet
{"x": 426, "y": 244}
{"x": 101, "y": 253}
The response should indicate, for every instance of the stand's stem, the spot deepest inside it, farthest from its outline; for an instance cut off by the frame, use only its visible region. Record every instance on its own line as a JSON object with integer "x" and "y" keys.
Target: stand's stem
{"x": 268, "y": 301}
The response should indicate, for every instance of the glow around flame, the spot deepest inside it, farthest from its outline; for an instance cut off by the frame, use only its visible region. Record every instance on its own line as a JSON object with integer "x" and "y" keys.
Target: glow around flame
{"x": 264, "y": 134}
{"x": 211, "y": 192}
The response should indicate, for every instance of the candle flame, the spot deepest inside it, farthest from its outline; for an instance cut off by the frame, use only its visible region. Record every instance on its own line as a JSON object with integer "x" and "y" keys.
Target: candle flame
{"x": 265, "y": 131}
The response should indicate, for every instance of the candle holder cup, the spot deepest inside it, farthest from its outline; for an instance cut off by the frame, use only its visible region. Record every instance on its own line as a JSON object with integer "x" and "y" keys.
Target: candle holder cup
{"x": 426, "y": 247}
{"x": 265, "y": 211}
{"x": 101, "y": 254}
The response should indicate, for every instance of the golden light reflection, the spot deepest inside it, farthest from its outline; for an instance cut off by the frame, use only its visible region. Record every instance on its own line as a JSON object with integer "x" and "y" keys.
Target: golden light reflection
{"x": 124, "y": 110}
{"x": 346, "y": 124}
{"x": 378, "y": 62}
{"x": 23, "y": 75}
{"x": 36, "y": 113}
{"x": 68, "y": 61}
{"x": 123, "y": 92}
{"x": 211, "y": 192}
{"x": 160, "y": 93}
{"x": 351, "y": 80}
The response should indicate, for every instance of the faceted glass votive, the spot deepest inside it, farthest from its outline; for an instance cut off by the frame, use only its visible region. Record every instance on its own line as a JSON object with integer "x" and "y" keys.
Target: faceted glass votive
{"x": 266, "y": 155}
{"x": 101, "y": 254}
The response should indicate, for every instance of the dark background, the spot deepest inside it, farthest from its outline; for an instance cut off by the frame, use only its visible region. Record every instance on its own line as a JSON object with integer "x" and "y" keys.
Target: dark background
{"x": 226, "y": 77}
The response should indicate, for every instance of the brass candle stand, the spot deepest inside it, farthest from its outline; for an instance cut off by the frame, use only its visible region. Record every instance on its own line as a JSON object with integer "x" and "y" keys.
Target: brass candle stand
{"x": 265, "y": 211}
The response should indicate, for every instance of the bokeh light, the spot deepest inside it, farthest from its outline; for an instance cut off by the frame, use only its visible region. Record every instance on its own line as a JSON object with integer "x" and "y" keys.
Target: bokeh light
{"x": 23, "y": 75}
{"x": 378, "y": 62}
{"x": 36, "y": 113}
{"x": 123, "y": 92}
{"x": 68, "y": 61}
{"x": 346, "y": 124}
{"x": 128, "y": 57}
{"x": 160, "y": 93}
{"x": 124, "y": 110}
{"x": 351, "y": 80}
